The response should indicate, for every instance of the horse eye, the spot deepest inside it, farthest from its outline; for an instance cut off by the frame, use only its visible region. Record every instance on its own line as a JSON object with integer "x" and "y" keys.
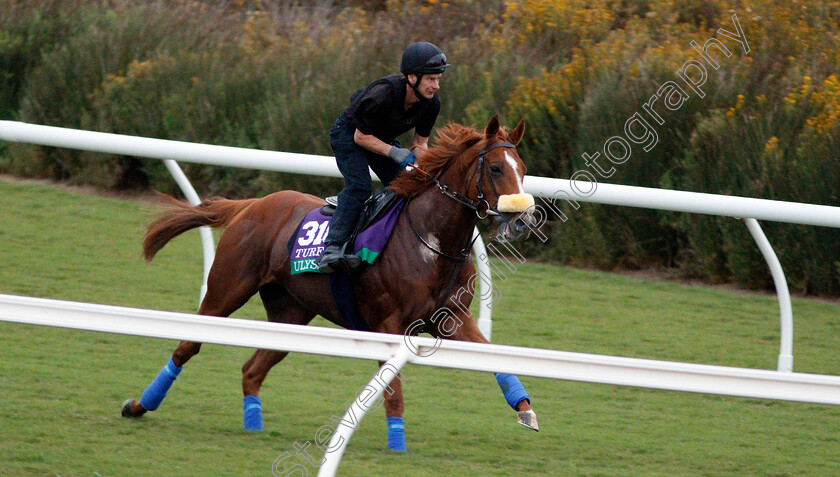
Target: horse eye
{"x": 495, "y": 169}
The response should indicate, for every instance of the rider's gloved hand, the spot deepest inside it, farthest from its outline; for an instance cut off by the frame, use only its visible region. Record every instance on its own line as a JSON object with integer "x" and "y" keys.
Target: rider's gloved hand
{"x": 401, "y": 156}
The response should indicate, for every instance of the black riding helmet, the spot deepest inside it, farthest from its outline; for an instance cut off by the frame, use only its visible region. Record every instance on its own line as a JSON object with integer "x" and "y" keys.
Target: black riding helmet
{"x": 422, "y": 58}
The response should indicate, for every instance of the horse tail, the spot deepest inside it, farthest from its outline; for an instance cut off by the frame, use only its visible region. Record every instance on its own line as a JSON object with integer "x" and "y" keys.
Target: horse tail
{"x": 182, "y": 216}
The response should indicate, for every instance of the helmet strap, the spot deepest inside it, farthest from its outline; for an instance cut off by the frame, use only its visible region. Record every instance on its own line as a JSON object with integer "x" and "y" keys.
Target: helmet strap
{"x": 414, "y": 86}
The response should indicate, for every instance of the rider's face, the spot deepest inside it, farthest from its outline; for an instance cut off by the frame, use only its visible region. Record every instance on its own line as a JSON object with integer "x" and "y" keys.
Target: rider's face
{"x": 429, "y": 84}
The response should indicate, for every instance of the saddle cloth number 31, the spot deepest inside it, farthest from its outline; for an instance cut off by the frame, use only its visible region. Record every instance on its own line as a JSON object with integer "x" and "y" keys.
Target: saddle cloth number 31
{"x": 315, "y": 233}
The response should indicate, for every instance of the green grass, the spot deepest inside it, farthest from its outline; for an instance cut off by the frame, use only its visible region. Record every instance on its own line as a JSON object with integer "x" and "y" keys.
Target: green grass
{"x": 61, "y": 390}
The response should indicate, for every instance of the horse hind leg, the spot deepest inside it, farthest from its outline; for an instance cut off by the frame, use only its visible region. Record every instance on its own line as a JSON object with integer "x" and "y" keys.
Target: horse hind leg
{"x": 154, "y": 393}
{"x": 280, "y": 308}
{"x": 394, "y": 409}
{"x": 221, "y": 300}
{"x": 254, "y": 372}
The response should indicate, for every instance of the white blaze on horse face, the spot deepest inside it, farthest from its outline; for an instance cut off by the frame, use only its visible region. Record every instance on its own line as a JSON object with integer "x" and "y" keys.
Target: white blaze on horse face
{"x": 428, "y": 255}
{"x": 512, "y": 163}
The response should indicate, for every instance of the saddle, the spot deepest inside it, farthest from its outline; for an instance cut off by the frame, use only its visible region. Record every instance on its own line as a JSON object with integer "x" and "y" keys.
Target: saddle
{"x": 374, "y": 206}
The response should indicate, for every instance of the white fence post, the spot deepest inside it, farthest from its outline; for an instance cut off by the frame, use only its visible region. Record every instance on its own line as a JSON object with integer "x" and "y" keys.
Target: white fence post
{"x": 357, "y": 411}
{"x": 785, "y": 311}
{"x": 485, "y": 288}
{"x": 206, "y": 233}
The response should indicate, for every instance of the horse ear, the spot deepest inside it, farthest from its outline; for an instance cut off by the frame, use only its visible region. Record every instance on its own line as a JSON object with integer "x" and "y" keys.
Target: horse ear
{"x": 518, "y": 132}
{"x": 492, "y": 127}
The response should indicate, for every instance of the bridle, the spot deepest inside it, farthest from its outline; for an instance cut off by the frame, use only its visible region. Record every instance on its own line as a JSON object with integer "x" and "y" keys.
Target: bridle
{"x": 476, "y": 205}
{"x": 481, "y": 203}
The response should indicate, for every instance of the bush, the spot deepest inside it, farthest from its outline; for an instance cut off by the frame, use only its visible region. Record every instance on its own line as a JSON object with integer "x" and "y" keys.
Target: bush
{"x": 779, "y": 151}
{"x": 275, "y": 74}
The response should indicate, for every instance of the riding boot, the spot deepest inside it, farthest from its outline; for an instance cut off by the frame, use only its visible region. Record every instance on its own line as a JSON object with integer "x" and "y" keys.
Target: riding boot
{"x": 335, "y": 257}
{"x": 352, "y": 260}
{"x": 330, "y": 258}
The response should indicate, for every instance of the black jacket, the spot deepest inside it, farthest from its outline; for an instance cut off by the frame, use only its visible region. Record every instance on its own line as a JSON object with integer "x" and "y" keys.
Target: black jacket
{"x": 379, "y": 110}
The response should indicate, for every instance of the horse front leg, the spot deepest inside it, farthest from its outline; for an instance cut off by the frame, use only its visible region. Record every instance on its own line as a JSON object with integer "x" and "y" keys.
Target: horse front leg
{"x": 461, "y": 326}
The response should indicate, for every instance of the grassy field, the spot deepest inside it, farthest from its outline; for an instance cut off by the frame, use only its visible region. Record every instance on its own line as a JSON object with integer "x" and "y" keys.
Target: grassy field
{"x": 61, "y": 390}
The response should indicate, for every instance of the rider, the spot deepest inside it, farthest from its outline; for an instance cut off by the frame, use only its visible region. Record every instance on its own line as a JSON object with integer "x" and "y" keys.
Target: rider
{"x": 365, "y": 135}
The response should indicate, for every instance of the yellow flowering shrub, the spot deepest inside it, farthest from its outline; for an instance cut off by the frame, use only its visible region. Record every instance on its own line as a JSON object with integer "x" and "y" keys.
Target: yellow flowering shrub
{"x": 550, "y": 101}
{"x": 826, "y": 101}
{"x": 558, "y": 26}
{"x": 819, "y": 142}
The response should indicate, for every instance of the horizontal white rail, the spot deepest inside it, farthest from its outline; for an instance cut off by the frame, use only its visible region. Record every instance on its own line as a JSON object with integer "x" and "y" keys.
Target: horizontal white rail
{"x": 698, "y": 378}
{"x": 613, "y": 194}
{"x": 167, "y": 149}
{"x": 683, "y": 201}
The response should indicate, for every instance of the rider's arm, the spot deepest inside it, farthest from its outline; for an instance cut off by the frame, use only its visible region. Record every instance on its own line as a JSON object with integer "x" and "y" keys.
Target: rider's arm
{"x": 419, "y": 141}
{"x": 371, "y": 143}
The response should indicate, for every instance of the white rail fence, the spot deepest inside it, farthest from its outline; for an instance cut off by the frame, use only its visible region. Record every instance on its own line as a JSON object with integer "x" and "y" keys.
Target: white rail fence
{"x": 697, "y": 378}
{"x": 470, "y": 356}
{"x": 750, "y": 210}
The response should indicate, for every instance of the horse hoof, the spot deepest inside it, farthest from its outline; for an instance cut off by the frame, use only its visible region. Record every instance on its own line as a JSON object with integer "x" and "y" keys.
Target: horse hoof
{"x": 396, "y": 442}
{"x": 528, "y": 419}
{"x": 126, "y": 409}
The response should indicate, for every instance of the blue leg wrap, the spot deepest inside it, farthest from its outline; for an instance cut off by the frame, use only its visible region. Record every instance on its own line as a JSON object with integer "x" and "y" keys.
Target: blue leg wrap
{"x": 513, "y": 390}
{"x": 396, "y": 434}
{"x": 156, "y": 391}
{"x": 252, "y": 408}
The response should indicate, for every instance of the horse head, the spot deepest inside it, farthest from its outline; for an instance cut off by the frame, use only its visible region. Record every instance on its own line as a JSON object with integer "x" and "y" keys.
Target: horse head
{"x": 480, "y": 170}
{"x": 498, "y": 182}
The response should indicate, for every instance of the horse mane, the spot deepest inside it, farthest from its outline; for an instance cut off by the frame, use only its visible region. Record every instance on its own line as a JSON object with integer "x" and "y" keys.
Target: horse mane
{"x": 452, "y": 140}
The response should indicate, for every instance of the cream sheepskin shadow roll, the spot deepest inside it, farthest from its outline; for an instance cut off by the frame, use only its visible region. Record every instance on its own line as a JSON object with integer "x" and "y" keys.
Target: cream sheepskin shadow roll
{"x": 515, "y": 202}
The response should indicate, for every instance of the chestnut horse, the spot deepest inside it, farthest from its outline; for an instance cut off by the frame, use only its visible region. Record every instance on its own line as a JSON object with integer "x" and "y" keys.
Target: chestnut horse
{"x": 456, "y": 183}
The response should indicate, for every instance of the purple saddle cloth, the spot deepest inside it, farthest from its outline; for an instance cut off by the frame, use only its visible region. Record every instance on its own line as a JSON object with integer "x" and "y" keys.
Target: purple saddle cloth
{"x": 307, "y": 242}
